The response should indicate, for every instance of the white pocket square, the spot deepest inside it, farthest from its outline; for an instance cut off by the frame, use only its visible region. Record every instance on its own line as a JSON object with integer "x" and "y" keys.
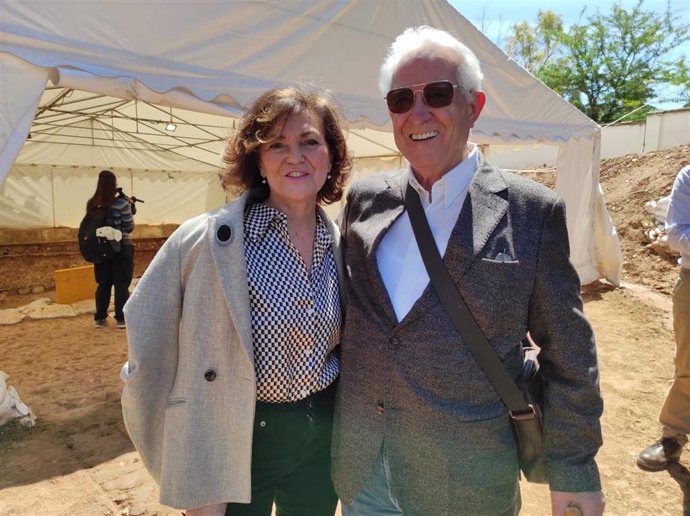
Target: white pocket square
{"x": 503, "y": 257}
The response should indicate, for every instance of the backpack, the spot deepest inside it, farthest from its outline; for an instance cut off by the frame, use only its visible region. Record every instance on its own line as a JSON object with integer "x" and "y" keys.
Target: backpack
{"x": 93, "y": 248}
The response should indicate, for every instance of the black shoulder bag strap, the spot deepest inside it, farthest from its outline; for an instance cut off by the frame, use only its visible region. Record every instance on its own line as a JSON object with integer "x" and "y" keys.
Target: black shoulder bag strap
{"x": 458, "y": 312}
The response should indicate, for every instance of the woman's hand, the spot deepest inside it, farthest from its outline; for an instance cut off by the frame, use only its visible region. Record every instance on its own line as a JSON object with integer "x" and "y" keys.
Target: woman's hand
{"x": 207, "y": 510}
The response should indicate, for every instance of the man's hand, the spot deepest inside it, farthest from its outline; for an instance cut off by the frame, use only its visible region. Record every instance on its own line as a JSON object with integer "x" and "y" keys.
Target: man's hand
{"x": 590, "y": 503}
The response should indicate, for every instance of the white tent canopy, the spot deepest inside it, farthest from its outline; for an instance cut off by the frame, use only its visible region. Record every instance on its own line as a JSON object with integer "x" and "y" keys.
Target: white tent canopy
{"x": 208, "y": 61}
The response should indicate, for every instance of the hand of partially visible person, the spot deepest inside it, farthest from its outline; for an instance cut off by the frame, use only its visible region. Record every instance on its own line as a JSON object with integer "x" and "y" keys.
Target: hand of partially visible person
{"x": 207, "y": 510}
{"x": 590, "y": 503}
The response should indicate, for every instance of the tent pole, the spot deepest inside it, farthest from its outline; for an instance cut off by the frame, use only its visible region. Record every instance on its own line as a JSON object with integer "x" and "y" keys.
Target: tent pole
{"x": 52, "y": 194}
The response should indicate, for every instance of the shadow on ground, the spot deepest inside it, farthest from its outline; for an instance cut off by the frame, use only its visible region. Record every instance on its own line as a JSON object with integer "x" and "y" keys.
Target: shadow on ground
{"x": 59, "y": 447}
{"x": 680, "y": 474}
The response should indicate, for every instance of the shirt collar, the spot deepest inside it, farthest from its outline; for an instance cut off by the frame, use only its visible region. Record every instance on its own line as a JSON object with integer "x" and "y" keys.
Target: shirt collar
{"x": 260, "y": 218}
{"x": 453, "y": 183}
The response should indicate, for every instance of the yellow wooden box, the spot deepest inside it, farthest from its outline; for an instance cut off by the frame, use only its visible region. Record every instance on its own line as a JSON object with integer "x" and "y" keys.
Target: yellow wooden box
{"x": 74, "y": 284}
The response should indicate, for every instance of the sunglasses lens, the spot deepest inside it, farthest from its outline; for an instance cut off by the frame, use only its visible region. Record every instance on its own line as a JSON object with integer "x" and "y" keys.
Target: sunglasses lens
{"x": 400, "y": 100}
{"x": 438, "y": 94}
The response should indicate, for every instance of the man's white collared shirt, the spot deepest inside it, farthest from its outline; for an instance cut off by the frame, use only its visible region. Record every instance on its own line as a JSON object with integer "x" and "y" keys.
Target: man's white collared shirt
{"x": 678, "y": 217}
{"x": 398, "y": 257}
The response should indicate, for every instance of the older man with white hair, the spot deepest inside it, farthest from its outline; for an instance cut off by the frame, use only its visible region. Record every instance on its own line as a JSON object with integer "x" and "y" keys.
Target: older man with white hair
{"x": 420, "y": 430}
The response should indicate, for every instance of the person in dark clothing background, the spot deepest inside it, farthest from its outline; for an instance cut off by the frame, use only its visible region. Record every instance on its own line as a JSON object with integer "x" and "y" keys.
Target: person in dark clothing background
{"x": 117, "y": 272}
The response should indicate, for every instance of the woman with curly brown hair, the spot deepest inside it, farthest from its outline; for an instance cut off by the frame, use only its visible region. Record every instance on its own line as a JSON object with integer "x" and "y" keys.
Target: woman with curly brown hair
{"x": 234, "y": 326}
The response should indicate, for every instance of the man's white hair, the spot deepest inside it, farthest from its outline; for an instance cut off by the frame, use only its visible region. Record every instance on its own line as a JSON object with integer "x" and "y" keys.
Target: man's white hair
{"x": 415, "y": 39}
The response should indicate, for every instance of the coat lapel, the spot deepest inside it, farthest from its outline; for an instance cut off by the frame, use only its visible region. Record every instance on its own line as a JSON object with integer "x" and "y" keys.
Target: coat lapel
{"x": 376, "y": 214}
{"x": 230, "y": 261}
{"x": 481, "y": 212}
{"x": 337, "y": 248}
{"x": 392, "y": 197}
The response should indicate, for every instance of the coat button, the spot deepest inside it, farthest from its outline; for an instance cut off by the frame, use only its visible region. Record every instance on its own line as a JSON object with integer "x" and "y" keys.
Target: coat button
{"x": 380, "y": 409}
{"x": 395, "y": 342}
{"x": 210, "y": 375}
{"x": 224, "y": 234}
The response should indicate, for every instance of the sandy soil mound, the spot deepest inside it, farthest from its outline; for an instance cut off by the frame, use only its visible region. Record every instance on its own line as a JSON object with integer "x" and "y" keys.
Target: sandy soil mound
{"x": 629, "y": 182}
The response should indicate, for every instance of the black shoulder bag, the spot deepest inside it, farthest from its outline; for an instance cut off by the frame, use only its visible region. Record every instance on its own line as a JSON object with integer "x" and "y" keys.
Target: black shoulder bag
{"x": 523, "y": 403}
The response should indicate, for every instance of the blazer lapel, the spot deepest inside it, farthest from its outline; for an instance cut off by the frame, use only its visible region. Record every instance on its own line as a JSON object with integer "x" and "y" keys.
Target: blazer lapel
{"x": 388, "y": 206}
{"x": 226, "y": 241}
{"x": 481, "y": 212}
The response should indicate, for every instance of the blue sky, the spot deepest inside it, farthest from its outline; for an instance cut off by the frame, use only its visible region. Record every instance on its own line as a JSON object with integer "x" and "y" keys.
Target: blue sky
{"x": 495, "y": 18}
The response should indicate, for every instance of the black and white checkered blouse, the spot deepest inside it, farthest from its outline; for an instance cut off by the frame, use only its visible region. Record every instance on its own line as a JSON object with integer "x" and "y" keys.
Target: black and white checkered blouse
{"x": 295, "y": 314}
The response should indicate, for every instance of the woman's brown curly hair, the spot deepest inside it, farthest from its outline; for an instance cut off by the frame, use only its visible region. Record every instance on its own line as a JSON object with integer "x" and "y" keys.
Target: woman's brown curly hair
{"x": 269, "y": 112}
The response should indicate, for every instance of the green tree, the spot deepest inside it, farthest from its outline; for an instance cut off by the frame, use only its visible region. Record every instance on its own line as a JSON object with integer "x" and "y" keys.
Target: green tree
{"x": 532, "y": 46}
{"x": 682, "y": 84}
{"x": 609, "y": 66}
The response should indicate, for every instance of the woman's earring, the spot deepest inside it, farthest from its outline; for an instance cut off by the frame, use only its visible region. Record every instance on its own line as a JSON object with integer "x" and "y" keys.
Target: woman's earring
{"x": 263, "y": 180}
{"x": 329, "y": 175}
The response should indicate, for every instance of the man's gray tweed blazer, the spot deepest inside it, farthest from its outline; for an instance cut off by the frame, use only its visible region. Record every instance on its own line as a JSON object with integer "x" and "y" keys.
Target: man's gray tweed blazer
{"x": 412, "y": 386}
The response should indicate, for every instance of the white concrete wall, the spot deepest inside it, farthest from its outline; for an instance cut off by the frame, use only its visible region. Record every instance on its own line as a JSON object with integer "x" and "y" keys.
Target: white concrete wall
{"x": 667, "y": 129}
{"x": 619, "y": 140}
{"x": 662, "y": 130}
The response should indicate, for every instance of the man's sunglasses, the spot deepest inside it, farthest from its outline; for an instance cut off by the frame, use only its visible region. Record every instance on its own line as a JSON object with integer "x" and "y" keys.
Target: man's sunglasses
{"x": 436, "y": 95}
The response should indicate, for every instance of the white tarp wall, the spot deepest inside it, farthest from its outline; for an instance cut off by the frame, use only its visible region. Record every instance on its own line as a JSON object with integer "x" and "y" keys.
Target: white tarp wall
{"x": 22, "y": 86}
{"x": 220, "y": 55}
{"x": 49, "y": 184}
{"x": 42, "y": 196}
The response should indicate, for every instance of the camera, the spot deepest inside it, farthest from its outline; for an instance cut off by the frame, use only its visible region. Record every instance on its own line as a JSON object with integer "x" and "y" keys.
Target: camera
{"x": 132, "y": 200}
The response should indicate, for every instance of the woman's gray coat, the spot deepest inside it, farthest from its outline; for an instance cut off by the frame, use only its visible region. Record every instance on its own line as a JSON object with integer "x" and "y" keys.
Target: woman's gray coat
{"x": 190, "y": 388}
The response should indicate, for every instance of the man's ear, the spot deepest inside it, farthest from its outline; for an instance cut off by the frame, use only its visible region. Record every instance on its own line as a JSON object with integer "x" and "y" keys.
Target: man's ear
{"x": 477, "y": 104}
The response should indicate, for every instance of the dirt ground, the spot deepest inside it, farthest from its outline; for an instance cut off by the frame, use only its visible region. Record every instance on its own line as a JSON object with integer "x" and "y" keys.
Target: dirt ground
{"x": 78, "y": 460}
